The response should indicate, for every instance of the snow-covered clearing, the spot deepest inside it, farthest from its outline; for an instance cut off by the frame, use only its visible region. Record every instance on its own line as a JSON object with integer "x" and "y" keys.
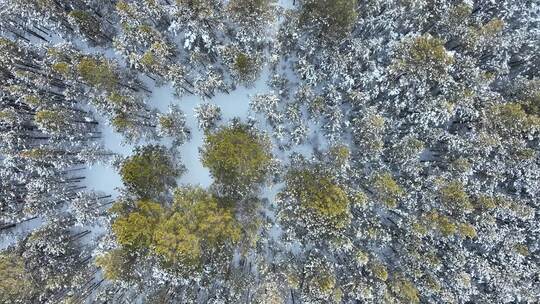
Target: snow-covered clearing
{"x": 104, "y": 177}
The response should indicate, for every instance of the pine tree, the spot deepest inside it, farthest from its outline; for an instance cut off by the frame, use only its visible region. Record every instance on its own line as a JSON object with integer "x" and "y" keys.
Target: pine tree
{"x": 173, "y": 124}
{"x": 237, "y": 157}
{"x": 150, "y": 171}
{"x": 16, "y": 285}
{"x": 198, "y": 227}
{"x": 334, "y": 19}
{"x": 135, "y": 231}
{"x": 208, "y": 115}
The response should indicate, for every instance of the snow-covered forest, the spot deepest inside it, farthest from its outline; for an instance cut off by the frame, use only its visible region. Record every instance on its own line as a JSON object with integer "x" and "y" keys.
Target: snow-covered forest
{"x": 269, "y": 151}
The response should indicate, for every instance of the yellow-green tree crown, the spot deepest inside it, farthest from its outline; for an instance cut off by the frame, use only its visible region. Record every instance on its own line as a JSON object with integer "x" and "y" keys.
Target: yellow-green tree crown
{"x": 149, "y": 172}
{"x": 319, "y": 195}
{"x": 15, "y": 282}
{"x": 195, "y": 228}
{"x": 236, "y": 155}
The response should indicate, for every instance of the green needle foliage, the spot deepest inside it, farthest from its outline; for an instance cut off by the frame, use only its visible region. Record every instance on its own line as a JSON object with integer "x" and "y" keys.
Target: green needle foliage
{"x": 61, "y": 68}
{"x": 405, "y": 290}
{"x": 149, "y": 172}
{"x": 236, "y": 156}
{"x": 336, "y": 16}
{"x": 97, "y": 73}
{"x": 511, "y": 119}
{"x": 249, "y": 10}
{"x": 196, "y": 227}
{"x": 53, "y": 121}
{"x": 318, "y": 195}
{"x": 425, "y": 55}
{"x": 88, "y": 25}
{"x": 387, "y": 189}
{"x": 15, "y": 282}
{"x": 200, "y": 8}
{"x": 453, "y": 195}
{"x": 242, "y": 64}
{"x": 116, "y": 264}
{"x": 379, "y": 271}
{"x": 136, "y": 230}
{"x": 429, "y": 51}
{"x": 245, "y": 67}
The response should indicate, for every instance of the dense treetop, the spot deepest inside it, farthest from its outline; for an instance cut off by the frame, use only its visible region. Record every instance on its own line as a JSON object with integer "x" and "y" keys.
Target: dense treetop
{"x": 195, "y": 229}
{"x": 150, "y": 171}
{"x": 198, "y": 225}
{"x": 319, "y": 197}
{"x": 335, "y": 18}
{"x": 237, "y": 156}
{"x": 16, "y": 286}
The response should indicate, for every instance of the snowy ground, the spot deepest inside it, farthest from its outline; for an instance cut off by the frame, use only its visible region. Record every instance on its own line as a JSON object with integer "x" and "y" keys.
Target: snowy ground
{"x": 103, "y": 177}
{"x": 10, "y": 236}
{"x": 234, "y": 105}
{"x": 286, "y": 3}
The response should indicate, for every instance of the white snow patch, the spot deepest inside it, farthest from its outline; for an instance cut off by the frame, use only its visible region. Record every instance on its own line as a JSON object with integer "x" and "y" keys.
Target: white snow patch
{"x": 104, "y": 178}
{"x": 286, "y": 3}
{"x": 12, "y": 235}
{"x": 234, "y": 105}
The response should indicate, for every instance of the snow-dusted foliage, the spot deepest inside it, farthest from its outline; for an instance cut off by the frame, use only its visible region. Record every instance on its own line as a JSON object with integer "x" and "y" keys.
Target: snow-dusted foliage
{"x": 208, "y": 116}
{"x": 389, "y": 151}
